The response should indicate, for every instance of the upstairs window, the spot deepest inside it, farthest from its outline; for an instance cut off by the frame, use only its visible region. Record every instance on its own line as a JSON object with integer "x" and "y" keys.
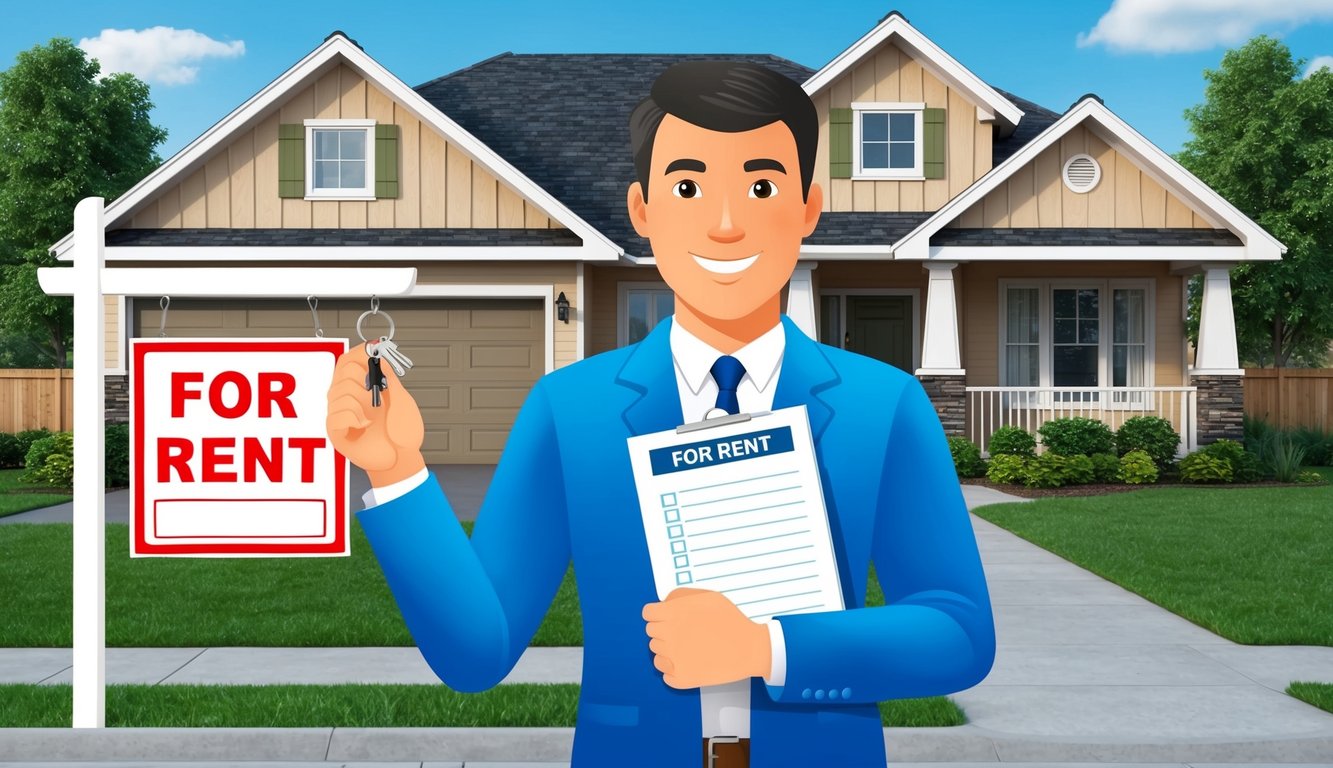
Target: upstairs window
{"x": 887, "y": 141}
{"x": 340, "y": 161}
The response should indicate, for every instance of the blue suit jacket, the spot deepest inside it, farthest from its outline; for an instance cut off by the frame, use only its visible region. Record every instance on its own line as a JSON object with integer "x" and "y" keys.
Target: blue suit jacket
{"x": 564, "y": 489}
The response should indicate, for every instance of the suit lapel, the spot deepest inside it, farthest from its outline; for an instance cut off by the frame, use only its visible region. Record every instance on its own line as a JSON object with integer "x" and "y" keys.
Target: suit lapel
{"x": 806, "y": 372}
{"x": 651, "y": 373}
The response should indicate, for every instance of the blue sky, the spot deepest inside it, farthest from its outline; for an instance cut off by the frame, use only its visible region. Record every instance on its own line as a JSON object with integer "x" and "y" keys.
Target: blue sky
{"x": 1144, "y": 57}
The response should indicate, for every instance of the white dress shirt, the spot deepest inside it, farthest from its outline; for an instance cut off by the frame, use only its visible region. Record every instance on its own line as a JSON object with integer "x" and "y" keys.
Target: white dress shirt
{"x": 724, "y": 709}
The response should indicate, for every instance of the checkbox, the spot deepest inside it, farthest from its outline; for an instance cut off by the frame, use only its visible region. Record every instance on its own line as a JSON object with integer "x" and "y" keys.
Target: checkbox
{"x": 682, "y": 561}
{"x": 668, "y": 499}
{"x": 673, "y": 515}
{"x": 675, "y": 531}
{"x": 677, "y": 547}
{"x": 683, "y": 577}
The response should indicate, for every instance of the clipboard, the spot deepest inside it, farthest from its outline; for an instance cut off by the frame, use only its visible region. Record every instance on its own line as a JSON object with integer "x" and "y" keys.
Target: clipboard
{"x": 734, "y": 504}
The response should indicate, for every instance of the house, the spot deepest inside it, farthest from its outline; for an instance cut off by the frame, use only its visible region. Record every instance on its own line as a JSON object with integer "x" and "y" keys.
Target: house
{"x": 1023, "y": 264}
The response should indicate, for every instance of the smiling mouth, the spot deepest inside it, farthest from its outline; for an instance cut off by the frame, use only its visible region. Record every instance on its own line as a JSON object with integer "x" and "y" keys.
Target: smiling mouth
{"x": 729, "y": 267}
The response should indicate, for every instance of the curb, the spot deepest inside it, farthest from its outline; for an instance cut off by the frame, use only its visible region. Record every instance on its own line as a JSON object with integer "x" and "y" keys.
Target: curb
{"x": 963, "y": 743}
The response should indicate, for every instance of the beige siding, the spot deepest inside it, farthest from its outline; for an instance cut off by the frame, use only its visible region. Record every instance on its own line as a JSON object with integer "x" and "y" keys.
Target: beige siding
{"x": 890, "y": 74}
{"x": 111, "y": 323}
{"x": 980, "y": 310}
{"x": 1035, "y": 195}
{"x": 601, "y": 289}
{"x": 439, "y": 186}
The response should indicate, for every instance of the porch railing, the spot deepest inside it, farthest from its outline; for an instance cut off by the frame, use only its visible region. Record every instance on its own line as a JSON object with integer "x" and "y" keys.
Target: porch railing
{"x": 989, "y": 408}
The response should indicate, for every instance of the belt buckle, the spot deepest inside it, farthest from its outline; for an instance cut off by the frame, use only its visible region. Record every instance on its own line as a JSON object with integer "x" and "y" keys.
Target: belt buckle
{"x": 712, "y": 756}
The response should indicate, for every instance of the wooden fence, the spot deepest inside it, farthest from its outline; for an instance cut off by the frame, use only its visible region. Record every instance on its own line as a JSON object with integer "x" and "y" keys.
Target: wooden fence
{"x": 35, "y": 398}
{"x": 1290, "y": 397}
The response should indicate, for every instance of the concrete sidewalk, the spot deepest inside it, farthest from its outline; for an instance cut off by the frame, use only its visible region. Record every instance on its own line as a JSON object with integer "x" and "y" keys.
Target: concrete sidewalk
{"x": 1085, "y": 672}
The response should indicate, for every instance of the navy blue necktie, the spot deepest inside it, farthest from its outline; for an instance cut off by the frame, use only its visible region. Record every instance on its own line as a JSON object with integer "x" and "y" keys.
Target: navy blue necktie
{"x": 727, "y": 372}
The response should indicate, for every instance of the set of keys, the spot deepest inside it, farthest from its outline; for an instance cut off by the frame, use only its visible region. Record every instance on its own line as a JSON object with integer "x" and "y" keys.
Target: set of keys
{"x": 383, "y": 349}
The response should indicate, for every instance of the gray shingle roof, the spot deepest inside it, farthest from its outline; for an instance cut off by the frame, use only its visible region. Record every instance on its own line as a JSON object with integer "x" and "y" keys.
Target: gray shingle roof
{"x": 846, "y": 228}
{"x": 1087, "y": 236}
{"x": 339, "y": 237}
{"x": 1036, "y": 119}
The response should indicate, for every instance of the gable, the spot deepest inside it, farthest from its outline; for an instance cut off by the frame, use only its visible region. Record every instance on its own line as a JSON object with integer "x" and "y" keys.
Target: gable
{"x": 236, "y": 186}
{"x": 1034, "y": 195}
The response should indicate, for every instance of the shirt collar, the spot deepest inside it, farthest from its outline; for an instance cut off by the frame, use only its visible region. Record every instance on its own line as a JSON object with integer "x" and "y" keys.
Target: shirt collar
{"x": 694, "y": 357}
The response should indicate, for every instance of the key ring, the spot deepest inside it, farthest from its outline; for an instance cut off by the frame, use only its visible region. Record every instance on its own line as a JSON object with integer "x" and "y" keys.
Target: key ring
{"x": 374, "y": 310}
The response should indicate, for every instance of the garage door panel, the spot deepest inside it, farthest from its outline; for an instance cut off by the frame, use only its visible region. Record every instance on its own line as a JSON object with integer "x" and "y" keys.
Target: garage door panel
{"x": 474, "y": 360}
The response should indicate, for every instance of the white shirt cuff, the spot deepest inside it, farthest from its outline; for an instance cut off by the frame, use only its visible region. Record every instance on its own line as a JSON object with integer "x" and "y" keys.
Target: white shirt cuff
{"x": 778, "y": 645}
{"x": 377, "y": 496}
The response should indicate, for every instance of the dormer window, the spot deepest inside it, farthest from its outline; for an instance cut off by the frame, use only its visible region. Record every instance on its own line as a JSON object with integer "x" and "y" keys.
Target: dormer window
{"x": 887, "y": 140}
{"x": 340, "y": 161}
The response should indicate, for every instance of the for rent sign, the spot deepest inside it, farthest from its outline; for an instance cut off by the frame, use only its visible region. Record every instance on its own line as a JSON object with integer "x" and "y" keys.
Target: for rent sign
{"x": 229, "y": 454}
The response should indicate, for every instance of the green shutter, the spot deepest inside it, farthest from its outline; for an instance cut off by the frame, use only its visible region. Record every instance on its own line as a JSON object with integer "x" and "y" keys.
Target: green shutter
{"x": 934, "y": 155}
{"x": 386, "y": 161}
{"x": 840, "y": 143}
{"x": 291, "y": 160}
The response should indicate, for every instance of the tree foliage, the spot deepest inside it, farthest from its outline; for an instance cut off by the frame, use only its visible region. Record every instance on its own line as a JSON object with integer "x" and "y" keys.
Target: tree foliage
{"x": 1263, "y": 138}
{"x": 65, "y": 135}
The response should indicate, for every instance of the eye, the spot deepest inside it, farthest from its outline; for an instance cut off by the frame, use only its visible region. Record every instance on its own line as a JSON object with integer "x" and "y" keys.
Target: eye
{"x": 763, "y": 188}
{"x": 686, "y": 189}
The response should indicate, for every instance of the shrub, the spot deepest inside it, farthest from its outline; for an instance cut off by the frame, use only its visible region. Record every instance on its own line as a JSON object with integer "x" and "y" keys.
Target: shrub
{"x": 29, "y": 436}
{"x": 1150, "y": 434}
{"x": 1105, "y": 467}
{"x": 50, "y": 461}
{"x": 1079, "y": 470}
{"x": 1138, "y": 468}
{"x": 1285, "y": 457}
{"x": 1256, "y": 430}
{"x": 1249, "y": 468}
{"x": 1201, "y": 467}
{"x": 117, "y": 455}
{"x": 11, "y": 454}
{"x": 1007, "y": 468}
{"x": 1076, "y": 436}
{"x": 1012, "y": 441}
{"x": 1046, "y": 471}
{"x": 1311, "y": 477}
{"x": 1318, "y": 445}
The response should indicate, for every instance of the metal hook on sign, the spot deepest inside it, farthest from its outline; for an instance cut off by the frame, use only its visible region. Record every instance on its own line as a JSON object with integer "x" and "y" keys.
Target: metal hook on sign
{"x": 374, "y": 310}
{"x": 374, "y": 305}
{"x": 164, "y": 302}
{"x": 313, "y": 303}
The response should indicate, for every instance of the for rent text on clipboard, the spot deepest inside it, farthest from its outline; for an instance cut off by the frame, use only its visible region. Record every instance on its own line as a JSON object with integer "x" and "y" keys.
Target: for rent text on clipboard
{"x": 734, "y": 504}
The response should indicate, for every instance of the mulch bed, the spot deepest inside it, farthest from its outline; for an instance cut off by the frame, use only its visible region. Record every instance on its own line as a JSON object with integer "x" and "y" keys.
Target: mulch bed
{"x": 1100, "y": 489}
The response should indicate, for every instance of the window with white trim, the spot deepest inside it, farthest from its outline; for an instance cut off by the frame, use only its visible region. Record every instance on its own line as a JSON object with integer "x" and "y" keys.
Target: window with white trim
{"x": 644, "y": 308}
{"x": 1053, "y": 333}
{"x": 340, "y": 159}
{"x": 887, "y": 140}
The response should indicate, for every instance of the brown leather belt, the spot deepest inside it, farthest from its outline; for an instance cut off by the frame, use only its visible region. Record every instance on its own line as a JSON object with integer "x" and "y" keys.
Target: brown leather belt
{"x": 726, "y": 752}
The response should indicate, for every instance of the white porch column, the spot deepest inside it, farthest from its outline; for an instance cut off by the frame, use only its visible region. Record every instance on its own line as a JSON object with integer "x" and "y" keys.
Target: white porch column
{"x": 1216, "y": 353}
{"x": 940, "y": 348}
{"x": 801, "y": 299}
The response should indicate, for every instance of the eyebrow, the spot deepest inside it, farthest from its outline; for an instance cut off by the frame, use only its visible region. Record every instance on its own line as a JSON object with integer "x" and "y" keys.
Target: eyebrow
{"x": 764, "y": 164}
{"x": 686, "y": 164}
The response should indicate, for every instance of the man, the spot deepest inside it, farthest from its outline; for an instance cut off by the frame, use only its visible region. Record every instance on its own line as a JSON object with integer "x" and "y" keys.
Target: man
{"x": 724, "y": 155}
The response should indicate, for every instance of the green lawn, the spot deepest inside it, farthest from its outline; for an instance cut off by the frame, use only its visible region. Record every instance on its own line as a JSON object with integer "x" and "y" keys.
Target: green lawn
{"x": 1316, "y": 694}
{"x": 1251, "y": 565}
{"x": 352, "y": 706}
{"x": 17, "y": 496}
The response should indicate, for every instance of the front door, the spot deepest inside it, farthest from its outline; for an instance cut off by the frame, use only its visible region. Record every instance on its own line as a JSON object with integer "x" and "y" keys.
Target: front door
{"x": 881, "y": 327}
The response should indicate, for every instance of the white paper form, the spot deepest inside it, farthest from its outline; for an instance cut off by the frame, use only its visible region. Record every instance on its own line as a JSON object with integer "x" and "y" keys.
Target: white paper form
{"x": 738, "y": 509}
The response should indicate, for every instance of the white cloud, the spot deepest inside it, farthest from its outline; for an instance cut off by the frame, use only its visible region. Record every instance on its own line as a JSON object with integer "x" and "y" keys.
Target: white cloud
{"x": 1174, "y": 26}
{"x": 159, "y": 55}
{"x": 1319, "y": 62}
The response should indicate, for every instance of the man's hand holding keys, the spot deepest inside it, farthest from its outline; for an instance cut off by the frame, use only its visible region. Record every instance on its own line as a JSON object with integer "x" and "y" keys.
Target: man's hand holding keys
{"x": 385, "y": 441}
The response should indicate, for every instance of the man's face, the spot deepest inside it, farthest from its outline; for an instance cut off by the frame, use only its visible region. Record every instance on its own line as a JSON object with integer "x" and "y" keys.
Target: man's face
{"x": 725, "y": 217}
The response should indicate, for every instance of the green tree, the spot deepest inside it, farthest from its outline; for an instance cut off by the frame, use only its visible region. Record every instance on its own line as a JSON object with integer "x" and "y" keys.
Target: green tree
{"x": 65, "y": 134}
{"x": 1263, "y": 138}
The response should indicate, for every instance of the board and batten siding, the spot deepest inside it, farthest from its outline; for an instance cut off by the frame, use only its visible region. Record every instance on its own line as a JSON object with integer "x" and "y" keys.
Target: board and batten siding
{"x": 891, "y": 74}
{"x": 979, "y": 311}
{"x": 1036, "y": 196}
{"x": 439, "y": 186}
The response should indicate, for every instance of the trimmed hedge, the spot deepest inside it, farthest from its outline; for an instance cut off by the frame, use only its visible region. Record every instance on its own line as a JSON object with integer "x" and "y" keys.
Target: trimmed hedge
{"x": 1076, "y": 436}
{"x": 966, "y": 457}
{"x": 1150, "y": 434}
{"x": 1012, "y": 441}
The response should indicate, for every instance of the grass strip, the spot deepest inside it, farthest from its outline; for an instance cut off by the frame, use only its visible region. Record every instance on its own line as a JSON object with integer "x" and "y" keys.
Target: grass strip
{"x": 1315, "y": 694}
{"x": 1250, "y": 565}
{"x": 17, "y": 496}
{"x": 354, "y": 706}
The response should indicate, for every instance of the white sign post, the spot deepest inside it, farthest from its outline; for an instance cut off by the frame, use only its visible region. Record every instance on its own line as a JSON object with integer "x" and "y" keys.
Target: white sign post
{"x": 88, "y": 282}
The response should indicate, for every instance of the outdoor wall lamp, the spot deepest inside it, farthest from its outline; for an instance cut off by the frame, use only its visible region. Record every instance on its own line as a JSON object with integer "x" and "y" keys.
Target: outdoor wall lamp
{"x": 562, "y": 308}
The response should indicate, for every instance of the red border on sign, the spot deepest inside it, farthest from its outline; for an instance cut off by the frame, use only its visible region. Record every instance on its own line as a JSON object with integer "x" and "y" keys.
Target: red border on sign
{"x": 141, "y": 349}
{"x": 320, "y": 535}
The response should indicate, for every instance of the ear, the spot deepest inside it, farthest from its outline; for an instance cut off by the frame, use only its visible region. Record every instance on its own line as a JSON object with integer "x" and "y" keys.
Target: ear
{"x": 638, "y": 210}
{"x": 814, "y": 204}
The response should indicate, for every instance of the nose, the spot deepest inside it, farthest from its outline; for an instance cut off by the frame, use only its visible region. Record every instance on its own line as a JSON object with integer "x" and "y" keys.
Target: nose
{"x": 726, "y": 231}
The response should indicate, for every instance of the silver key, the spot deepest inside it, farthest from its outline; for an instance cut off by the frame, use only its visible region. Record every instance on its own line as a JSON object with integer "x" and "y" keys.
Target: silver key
{"x": 388, "y": 350}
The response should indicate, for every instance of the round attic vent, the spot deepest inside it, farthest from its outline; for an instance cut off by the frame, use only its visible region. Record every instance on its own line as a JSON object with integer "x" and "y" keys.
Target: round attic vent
{"x": 1082, "y": 173}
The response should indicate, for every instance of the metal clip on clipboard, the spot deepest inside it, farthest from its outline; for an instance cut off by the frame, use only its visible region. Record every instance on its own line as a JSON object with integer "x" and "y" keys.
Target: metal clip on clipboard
{"x": 718, "y": 421}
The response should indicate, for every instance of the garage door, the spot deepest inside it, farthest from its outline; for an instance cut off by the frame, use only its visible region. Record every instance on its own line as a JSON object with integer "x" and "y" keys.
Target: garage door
{"x": 475, "y": 359}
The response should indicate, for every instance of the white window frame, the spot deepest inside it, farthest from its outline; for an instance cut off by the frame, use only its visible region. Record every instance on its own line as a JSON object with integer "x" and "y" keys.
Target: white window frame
{"x": 917, "y": 110}
{"x": 1105, "y": 332}
{"x": 363, "y": 193}
{"x": 623, "y": 290}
